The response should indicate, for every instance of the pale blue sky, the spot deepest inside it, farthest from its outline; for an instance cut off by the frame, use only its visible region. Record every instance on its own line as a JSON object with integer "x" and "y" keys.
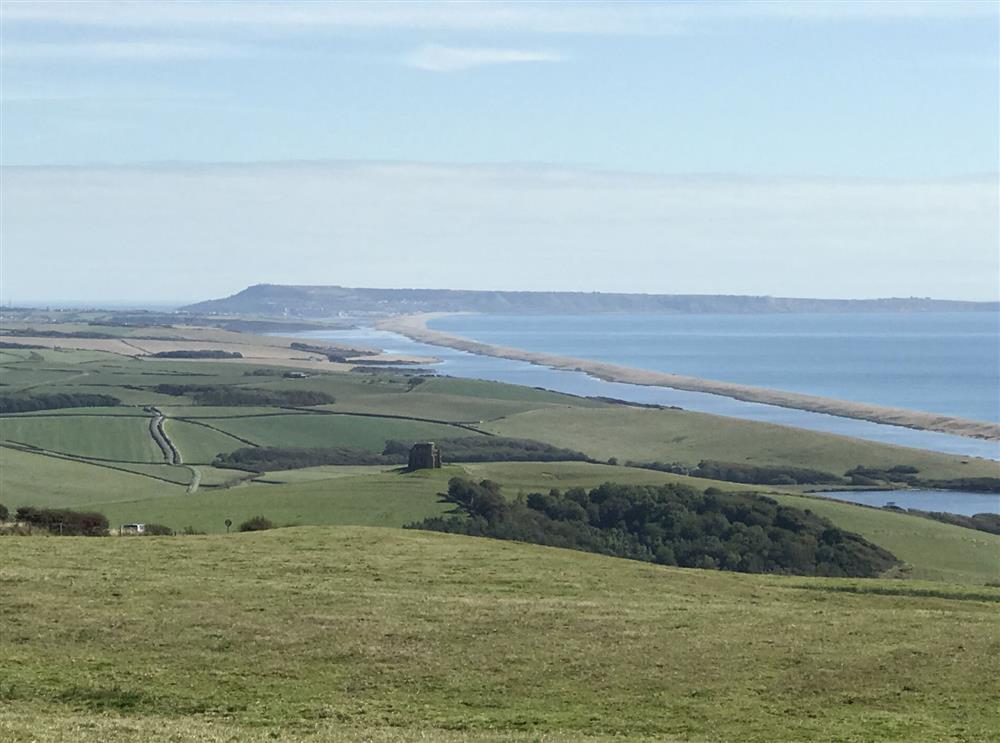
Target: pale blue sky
{"x": 856, "y": 96}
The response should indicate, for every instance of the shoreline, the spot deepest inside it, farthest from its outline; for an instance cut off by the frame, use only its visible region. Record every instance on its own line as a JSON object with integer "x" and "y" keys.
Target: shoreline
{"x": 415, "y": 328}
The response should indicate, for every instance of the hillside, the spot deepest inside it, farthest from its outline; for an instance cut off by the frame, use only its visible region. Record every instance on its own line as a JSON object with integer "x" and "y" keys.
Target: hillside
{"x": 331, "y": 301}
{"x": 379, "y": 634}
{"x": 107, "y": 459}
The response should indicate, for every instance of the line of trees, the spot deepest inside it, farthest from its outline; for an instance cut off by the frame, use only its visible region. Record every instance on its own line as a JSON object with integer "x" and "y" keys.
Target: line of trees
{"x": 461, "y": 449}
{"x": 909, "y": 476}
{"x": 274, "y": 458}
{"x": 491, "y": 449}
{"x": 24, "y": 403}
{"x": 200, "y": 354}
{"x": 229, "y": 395}
{"x": 750, "y": 474}
{"x": 668, "y": 524}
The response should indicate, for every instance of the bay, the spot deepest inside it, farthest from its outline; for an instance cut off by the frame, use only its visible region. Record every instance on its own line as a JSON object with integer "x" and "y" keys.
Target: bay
{"x": 945, "y": 363}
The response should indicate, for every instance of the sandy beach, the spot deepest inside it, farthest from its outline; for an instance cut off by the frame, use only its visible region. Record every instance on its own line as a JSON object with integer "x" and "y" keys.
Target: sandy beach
{"x": 415, "y": 328}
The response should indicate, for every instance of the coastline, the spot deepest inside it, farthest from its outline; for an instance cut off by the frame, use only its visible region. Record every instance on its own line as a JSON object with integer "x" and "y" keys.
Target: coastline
{"x": 415, "y": 328}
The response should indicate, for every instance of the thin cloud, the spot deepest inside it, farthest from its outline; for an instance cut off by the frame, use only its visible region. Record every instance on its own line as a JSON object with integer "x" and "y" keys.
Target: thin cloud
{"x": 537, "y": 17}
{"x": 118, "y": 50}
{"x": 435, "y": 58}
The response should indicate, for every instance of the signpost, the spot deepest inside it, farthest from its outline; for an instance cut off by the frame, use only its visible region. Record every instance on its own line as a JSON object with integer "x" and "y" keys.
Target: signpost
{"x": 228, "y": 524}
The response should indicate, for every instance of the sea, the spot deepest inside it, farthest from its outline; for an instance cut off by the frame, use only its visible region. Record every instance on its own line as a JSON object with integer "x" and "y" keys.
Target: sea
{"x": 938, "y": 362}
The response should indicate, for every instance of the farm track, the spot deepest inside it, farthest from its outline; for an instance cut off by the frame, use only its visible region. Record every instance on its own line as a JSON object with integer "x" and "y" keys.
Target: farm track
{"x": 195, "y": 480}
{"x": 170, "y": 453}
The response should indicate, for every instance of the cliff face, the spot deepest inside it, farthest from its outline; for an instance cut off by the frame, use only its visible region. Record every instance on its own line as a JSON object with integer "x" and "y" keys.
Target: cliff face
{"x": 330, "y": 301}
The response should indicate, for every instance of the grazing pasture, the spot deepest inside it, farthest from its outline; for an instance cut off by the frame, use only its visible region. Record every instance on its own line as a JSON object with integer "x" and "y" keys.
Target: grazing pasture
{"x": 374, "y": 498}
{"x": 199, "y": 444}
{"x": 121, "y": 438}
{"x": 954, "y": 555}
{"x": 681, "y": 436}
{"x": 351, "y": 633}
{"x": 29, "y": 479}
{"x": 320, "y": 430}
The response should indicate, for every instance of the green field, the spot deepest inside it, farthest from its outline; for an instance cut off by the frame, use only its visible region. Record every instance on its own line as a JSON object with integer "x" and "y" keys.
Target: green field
{"x": 540, "y": 477}
{"x": 28, "y": 479}
{"x": 112, "y": 437}
{"x": 932, "y": 550}
{"x": 378, "y": 496}
{"x": 319, "y": 430}
{"x": 371, "y": 499}
{"x": 199, "y": 444}
{"x": 396, "y": 636}
{"x": 366, "y": 496}
{"x": 681, "y": 436}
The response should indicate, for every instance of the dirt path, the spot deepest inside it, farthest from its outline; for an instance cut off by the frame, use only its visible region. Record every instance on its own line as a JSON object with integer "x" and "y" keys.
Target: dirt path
{"x": 170, "y": 453}
{"x": 415, "y": 328}
{"x": 195, "y": 480}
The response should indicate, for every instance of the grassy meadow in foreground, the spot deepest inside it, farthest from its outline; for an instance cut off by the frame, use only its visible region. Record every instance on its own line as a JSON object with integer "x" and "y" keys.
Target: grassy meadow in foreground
{"x": 342, "y": 633}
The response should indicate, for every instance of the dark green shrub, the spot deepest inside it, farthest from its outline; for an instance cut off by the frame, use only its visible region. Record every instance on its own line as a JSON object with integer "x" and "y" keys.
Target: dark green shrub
{"x": 4, "y": 512}
{"x": 159, "y": 530}
{"x": 65, "y": 522}
{"x": 256, "y": 523}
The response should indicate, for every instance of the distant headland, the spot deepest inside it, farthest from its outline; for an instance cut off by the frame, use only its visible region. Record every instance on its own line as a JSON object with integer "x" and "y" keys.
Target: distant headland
{"x": 332, "y": 301}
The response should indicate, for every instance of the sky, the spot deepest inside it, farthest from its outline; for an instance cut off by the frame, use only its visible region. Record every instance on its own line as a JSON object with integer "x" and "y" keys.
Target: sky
{"x": 163, "y": 152}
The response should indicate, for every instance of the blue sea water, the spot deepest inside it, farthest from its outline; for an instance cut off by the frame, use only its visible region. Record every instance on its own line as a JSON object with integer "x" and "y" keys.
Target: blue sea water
{"x": 939, "y": 362}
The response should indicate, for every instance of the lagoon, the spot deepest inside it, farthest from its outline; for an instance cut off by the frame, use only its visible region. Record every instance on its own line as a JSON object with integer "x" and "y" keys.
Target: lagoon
{"x": 966, "y": 504}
